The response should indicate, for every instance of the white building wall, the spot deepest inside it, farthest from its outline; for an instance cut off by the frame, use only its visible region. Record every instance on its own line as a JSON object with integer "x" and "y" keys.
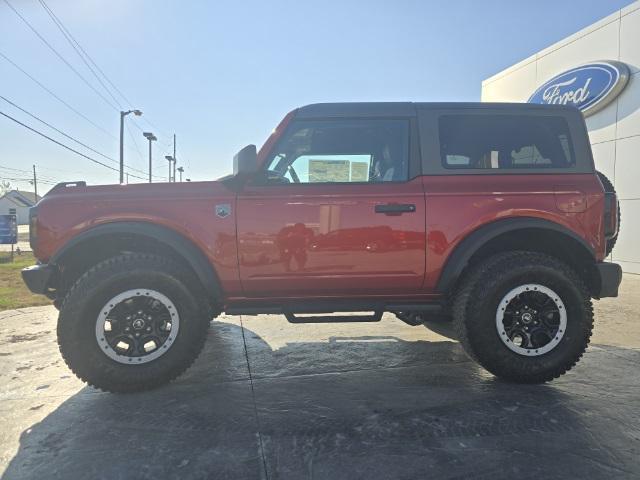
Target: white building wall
{"x": 614, "y": 131}
{"x": 22, "y": 213}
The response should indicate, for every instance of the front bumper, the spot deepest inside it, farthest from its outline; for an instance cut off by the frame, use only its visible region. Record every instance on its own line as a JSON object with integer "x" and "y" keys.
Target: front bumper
{"x": 610, "y": 275}
{"x": 37, "y": 277}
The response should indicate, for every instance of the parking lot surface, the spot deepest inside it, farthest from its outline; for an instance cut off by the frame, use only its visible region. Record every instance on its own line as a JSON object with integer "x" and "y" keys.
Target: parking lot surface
{"x": 270, "y": 400}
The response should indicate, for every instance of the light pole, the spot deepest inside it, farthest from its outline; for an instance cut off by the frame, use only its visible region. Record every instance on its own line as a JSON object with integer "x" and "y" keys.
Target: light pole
{"x": 174, "y": 157}
{"x": 137, "y": 113}
{"x": 152, "y": 138}
{"x": 169, "y": 159}
{"x": 180, "y": 169}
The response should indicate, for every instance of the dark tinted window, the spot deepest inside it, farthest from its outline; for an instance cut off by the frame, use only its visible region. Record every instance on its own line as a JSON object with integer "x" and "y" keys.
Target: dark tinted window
{"x": 505, "y": 142}
{"x": 339, "y": 151}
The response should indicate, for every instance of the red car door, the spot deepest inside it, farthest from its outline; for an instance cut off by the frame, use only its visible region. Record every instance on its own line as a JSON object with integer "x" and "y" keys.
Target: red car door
{"x": 334, "y": 213}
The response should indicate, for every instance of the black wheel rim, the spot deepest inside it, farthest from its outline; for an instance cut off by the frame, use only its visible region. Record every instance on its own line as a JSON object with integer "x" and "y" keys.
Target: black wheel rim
{"x": 531, "y": 319}
{"x": 137, "y": 326}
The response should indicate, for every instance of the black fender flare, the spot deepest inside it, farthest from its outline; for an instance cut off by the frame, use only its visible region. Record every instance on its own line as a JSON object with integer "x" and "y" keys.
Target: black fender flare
{"x": 183, "y": 247}
{"x": 463, "y": 252}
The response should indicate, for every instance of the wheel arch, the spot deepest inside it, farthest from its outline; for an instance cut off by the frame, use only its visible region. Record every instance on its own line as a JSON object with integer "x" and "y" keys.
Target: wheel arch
{"x": 102, "y": 241}
{"x": 524, "y": 233}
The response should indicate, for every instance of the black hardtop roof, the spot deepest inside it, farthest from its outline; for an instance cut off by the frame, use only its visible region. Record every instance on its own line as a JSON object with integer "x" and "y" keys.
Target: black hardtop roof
{"x": 400, "y": 109}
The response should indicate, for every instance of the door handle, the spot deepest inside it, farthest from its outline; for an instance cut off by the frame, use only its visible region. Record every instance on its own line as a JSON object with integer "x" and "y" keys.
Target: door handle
{"x": 395, "y": 208}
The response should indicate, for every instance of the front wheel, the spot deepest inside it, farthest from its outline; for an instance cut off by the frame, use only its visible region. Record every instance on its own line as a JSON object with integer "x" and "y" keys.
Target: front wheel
{"x": 132, "y": 322}
{"x": 524, "y": 316}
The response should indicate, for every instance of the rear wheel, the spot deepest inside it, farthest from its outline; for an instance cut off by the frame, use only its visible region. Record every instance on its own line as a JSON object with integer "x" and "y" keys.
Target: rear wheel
{"x": 524, "y": 316}
{"x": 132, "y": 322}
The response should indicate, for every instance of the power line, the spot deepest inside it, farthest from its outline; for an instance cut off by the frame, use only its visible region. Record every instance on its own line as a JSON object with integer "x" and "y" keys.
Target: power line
{"x": 85, "y": 56}
{"x": 63, "y": 145}
{"x": 135, "y": 124}
{"x": 47, "y": 168}
{"x": 72, "y": 41}
{"x": 66, "y": 104}
{"x": 64, "y": 134}
{"x": 16, "y": 171}
{"x": 56, "y": 96}
{"x": 134, "y": 141}
{"x": 64, "y": 60}
{"x": 61, "y": 24}
{"x": 12, "y": 176}
{"x": 164, "y": 134}
{"x": 29, "y": 180}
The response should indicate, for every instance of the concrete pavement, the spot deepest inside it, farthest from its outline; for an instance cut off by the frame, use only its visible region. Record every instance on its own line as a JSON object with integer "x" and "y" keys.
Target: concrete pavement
{"x": 267, "y": 399}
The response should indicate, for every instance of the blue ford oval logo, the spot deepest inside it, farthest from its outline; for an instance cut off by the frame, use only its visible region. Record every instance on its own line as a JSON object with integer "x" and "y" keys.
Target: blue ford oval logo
{"x": 589, "y": 87}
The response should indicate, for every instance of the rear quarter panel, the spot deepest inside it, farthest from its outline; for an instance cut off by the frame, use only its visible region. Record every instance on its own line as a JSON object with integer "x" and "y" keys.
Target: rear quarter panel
{"x": 456, "y": 205}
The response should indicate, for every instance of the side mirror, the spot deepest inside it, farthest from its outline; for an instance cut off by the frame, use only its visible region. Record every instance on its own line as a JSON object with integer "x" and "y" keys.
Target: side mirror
{"x": 245, "y": 161}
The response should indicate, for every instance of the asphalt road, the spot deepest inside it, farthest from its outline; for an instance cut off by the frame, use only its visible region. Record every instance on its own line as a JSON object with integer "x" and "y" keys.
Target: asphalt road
{"x": 269, "y": 400}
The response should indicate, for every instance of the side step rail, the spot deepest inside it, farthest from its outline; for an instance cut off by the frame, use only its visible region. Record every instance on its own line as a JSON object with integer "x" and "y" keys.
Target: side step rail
{"x": 292, "y": 318}
{"x": 410, "y": 313}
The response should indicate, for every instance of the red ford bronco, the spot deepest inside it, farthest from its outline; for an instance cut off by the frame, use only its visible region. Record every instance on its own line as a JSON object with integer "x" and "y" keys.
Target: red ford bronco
{"x": 490, "y": 214}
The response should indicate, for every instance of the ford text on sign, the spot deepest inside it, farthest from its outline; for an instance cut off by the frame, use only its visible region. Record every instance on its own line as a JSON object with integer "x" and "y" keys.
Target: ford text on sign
{"x": 588, "y": 87}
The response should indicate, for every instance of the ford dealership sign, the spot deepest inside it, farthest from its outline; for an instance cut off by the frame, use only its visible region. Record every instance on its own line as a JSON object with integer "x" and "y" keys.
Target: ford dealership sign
{"x": 589, "y": 87}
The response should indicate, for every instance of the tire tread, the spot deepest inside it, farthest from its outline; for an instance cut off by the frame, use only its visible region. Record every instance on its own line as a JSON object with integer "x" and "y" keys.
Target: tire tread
{"x": 72, "y": 305}
{"x": 478, "y": 284}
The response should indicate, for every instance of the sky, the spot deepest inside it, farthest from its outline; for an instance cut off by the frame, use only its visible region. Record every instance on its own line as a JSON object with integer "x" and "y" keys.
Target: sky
{"x": 222, "y": 74}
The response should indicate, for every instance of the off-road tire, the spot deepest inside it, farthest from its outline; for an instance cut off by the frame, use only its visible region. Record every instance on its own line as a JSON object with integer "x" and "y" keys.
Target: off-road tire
{"x": 608, "y": 187}
{"x": 84, "y": 301}
{"x": 477, "y": 300}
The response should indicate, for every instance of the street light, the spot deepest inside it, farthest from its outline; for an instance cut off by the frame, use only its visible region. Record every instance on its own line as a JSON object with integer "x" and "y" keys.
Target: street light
{"x": 137, "y": 113}
{"x": 170, "y": 159}
{"x": 180, "y": 169}
{"x": 152, "y": 138}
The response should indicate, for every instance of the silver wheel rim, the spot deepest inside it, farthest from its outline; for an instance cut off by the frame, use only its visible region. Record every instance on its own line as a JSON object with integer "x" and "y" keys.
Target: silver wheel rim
{"x": 159, "y": 323}
{"x": 529, "y": 314}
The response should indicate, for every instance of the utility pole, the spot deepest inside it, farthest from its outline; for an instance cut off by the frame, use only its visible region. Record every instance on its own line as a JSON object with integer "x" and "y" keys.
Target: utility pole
{"x": 127, "y": 179}
{"x": 122, "y": 114}
{"x": 35, "y": 183}
{"x": 152, "y": 138}
{"x": 181, "y": 169}
{"x": 174, "y": 157}
{"x": 137, "y": 113}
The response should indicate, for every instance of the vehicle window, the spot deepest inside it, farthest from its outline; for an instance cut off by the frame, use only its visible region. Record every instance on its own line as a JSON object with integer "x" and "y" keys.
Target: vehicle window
{"x": 342, "y": 151}
{"x": 505, "y": 142}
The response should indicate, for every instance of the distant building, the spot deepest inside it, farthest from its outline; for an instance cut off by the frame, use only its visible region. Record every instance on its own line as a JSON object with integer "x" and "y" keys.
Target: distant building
{"x": 18, "y": 203}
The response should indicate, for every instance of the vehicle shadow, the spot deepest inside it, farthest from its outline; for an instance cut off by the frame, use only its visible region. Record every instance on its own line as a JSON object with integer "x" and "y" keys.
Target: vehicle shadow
{"x": 358, "y": 407}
